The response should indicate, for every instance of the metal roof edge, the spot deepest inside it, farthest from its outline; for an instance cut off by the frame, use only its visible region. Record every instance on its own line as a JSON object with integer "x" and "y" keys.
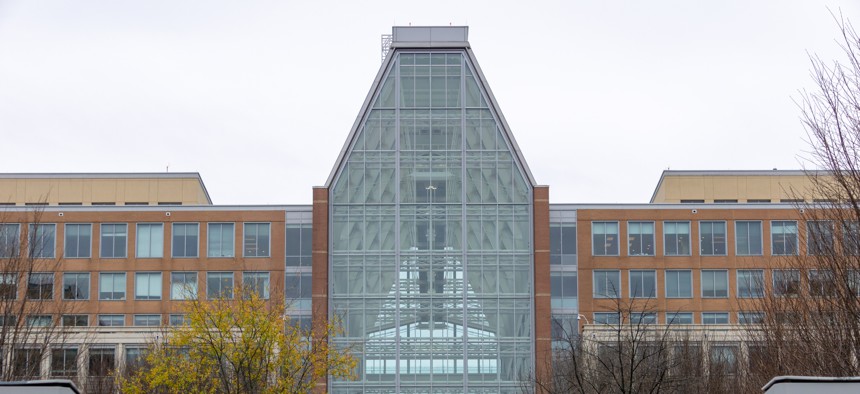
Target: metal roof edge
{"x": 374, "y": 87}
{"x": 203, "y": 186}
{"x": 659, "y": 183}
{"x": 518, "y": 154}
{"x": 430, "y": 44}
{"x": 153, "y": 208}
{"x": 631, "y": 206}
{"x": 98, "y": 175}
{"x": 43, "y": 383}
{"x": 809, "y": 379}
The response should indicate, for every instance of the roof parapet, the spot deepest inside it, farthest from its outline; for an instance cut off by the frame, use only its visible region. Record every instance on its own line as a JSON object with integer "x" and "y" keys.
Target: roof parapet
{"x": 430, "y": 36}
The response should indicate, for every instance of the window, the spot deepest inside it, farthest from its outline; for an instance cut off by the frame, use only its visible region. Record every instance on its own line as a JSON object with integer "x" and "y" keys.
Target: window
{"x": 692, "y": 201}
{"x": 713, "y": 238}
{"x": 40, "y": 286}
{"x": 715, "y": 318}
{"x": 606, "y": 318}
{"x": 643, "y": 284}
{"x": 8, "y": 320}
{"x": 679, "y": 318}
{"x": 42, "y": 240}
{"x": 257, "y": 239}
{"x": 64, "y": 363}
{"x": 723, "y": 359}
{"x": 750, "y": 283}
{"x": 111, "y": 320}
{"x": 147, "y": 286}
{"x": 112, "y": 286}
{"x": 185, "y": 239}
{"x": 715, "y": 283}
{"x": 302, "y": 323}
{"x": 147, "y": 320}
{"x": 640, "y": 238}
{"x": 102, "y": 362}
{"x": 298, "y": 290}
{"x": 78, "y": 240}
{"x": 39, "y": 321}
{"x": 821, "y": 283}
{"x": 257, "y": 282}
{"x": 220, "y": 238}
{"x": 150, "y": 240}
{"x": 563, "y": 289}
{"x": 750, "y": 317}
{"x": 75, "y": 320}
{"x": 604, "y": 238}
{"x": 676, "y": 238}
{"x": 679, "y": 284}
{"x": 563, "y": 327}
{"x": 114, "y": 240}
{"x": 562, "y": 243}
{"x": 179, "y": 320}
{"x": 607, "y": 284}
{"x": 758, "y": 201}
{"x": 784, "y": 237}
{"x": 219, "y": 285}
{"x": 643, "y": 318}
{"x": 26, "y": 363}
{"x": 183, "y": 285}
{"x": 786, "y": 283}
{"x": 8, "y": 286}
{"x": 76, "y": 286}
{"x": 748, "y": 238}
{"x": 725, "y": 201}
{"x": 135, "y": 356}
{"x": 854, "y": 281}
{"x": 298, "y": 245}
{"x": 851, "y": 238}
{"x": 10, "y": 240}
{"x": 819, "y": 238}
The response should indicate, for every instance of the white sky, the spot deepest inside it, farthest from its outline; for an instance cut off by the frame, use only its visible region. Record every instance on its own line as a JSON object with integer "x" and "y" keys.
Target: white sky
{"x": 259, "y": 96}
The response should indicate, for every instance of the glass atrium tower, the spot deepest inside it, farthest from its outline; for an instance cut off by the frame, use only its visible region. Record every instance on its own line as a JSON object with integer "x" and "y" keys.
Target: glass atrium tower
{"x": 429, "y": 225}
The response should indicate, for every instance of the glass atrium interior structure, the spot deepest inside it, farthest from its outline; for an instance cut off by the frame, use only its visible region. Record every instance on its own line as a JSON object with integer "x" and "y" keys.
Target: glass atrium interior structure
{"x": 431, "y": 244}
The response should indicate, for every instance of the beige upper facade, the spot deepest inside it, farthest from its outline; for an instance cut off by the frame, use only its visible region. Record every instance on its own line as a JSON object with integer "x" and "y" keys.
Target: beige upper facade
{"x": 734, "y": 186}
{"x": 103, "y": 189}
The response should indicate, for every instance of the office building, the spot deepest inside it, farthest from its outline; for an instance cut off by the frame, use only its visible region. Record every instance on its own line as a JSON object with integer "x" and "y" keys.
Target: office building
{"x": 430, "y": 240}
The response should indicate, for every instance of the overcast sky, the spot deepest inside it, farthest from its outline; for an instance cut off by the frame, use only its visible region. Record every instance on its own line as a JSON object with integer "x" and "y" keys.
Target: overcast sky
{"x": 259, "y": 96}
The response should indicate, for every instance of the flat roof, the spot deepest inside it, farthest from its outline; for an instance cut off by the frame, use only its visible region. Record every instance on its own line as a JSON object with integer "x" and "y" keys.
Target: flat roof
{"x": 110, "y": 175}
{"x": 774, "y": 172}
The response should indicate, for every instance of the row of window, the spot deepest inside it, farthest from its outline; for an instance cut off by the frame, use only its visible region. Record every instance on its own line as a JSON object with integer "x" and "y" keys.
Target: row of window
{"x": 713, "y": 238}
{"x": 119, "y": 320}
{"x": 27, "y": 362}
{"x": 714, "y": 283}
{"x": 106, "y": 320}
{"x": 149, "y": 243}
{"x": 148, "y": 285}
{"x": 707, "y": 318}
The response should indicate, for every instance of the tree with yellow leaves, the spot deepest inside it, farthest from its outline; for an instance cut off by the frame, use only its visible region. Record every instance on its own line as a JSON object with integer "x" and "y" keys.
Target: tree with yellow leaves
{"x": 243, "y": 345}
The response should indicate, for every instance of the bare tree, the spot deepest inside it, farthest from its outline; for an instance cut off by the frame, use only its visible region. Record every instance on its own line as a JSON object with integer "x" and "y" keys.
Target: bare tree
{"x": 31, "y": 309}
{"x": 628, "y": 352}
{"x": 809, "y": 315}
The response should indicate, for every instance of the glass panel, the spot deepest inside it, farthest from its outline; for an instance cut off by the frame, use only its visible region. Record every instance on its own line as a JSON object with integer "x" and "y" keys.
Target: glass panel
{"x": 150, "y": 240}
{"x": 430, "y": 245}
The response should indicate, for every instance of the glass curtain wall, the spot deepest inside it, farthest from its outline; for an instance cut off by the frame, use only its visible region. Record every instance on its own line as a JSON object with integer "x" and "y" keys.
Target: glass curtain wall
{"x": 431, "y": 238}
